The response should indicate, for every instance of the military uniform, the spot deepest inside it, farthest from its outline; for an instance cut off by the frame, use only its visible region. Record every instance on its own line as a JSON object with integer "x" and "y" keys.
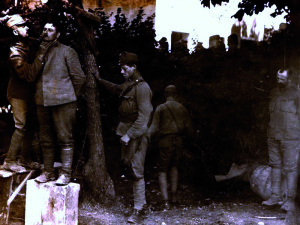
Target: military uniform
{"x": 20, "y": 94}
{"x": 134, "y": 111}
{"x": 170, "y": 136}
{"x": 284, "y": 139}
{"x": 172, "y": 122}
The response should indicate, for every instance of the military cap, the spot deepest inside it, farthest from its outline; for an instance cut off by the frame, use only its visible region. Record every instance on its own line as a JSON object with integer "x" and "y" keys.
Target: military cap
{"x": 128, "y": 58}
{"x": 15, "y": 20}
{"x": 171, "y": 88}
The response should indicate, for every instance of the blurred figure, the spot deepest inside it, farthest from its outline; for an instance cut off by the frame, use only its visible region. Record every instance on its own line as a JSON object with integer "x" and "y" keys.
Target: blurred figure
{"x": 172, "y": 121}
{"x": 283, "y": 140}
{"x": 163, "y": 46}
{"x": 233, "y": 43}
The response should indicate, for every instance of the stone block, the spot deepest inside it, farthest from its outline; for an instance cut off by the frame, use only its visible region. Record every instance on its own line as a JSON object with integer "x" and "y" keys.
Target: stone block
{"x": 6, "y": 181}
{"x": 49, "y": 204}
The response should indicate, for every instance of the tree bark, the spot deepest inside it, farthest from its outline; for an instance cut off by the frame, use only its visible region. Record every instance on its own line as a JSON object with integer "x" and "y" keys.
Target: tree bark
{"x": 97, "y": 180}
{"x": 95, "y": 172}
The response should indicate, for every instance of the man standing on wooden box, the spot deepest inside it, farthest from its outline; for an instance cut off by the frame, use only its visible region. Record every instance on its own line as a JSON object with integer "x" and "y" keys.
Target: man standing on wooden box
{"x": 56, "y": 95}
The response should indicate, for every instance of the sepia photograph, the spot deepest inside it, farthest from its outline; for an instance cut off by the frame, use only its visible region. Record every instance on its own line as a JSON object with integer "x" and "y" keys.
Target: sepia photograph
{"x": 154, "y": 112}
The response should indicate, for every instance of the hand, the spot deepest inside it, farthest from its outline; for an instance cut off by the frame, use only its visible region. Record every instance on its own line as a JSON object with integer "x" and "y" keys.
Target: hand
{"x": 44, "y": 46}
{"x": 125, "y": 139}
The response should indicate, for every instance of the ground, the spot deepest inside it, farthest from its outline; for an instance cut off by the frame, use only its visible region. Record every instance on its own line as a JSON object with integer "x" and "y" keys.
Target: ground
{"x": 230, "y": 202}
{"x": 227, "y": 202}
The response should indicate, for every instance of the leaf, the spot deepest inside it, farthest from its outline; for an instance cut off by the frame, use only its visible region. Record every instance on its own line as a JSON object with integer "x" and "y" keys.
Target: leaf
{"x": 205, "y": 3}
{"x": 239, "y": 14}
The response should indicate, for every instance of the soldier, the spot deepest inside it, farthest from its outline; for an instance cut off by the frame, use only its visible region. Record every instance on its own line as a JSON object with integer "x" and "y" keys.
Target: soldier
{"x": 172, "y": 121}
{"x": 283, "y": 139}
{"x": 135, "y": 109}
{"x": 20, "y": 93}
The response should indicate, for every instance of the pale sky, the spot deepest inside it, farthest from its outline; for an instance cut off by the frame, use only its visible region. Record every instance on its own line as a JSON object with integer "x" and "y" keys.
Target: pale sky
{"x": 191, "y": 17}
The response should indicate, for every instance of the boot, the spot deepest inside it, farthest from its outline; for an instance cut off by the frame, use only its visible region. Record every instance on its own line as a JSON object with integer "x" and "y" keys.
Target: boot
{"x": 48, "y": 174}
{"x": 13, "y": 166}
{"x": 10, "y": 162}
{"x": 276, "y": 197}
{"x": 166, "y": 205}
{"x": 289, "y": 204}
{"x": 66, "y": 170}
{"x": 45, "y": 177}
{"x": 26, "y": 156}
{"x": 15, "y": 145}
{"x": 136, "y": 217}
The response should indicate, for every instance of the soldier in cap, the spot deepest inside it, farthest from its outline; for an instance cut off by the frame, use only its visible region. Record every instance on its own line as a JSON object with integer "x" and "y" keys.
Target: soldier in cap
{"x": 172, "y": 122}
{"x": 20, "y": 93}
{"x": 134, "y": 109}
{"x": 284, "y": 140}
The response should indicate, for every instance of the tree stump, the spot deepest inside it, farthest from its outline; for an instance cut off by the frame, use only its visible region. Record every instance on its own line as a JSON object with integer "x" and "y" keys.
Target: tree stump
{"x": 47, "y": 203}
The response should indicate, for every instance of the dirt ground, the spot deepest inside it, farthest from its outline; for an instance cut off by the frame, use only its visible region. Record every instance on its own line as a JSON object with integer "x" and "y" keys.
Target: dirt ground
{"x": 230, "y": 202}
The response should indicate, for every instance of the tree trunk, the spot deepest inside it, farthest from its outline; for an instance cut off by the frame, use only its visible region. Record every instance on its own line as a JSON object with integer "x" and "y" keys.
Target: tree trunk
{"x": 99, "y": 184}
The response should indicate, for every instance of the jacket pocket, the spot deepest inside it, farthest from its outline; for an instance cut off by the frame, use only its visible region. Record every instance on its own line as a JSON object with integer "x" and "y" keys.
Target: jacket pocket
{"x": 129, "y": 105}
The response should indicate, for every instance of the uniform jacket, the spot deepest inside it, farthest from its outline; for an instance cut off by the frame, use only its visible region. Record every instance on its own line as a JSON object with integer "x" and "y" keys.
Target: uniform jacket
{"x": 284, "y": 114}
{"x": 61, "y": 78}
{"x": 21, "y": 72}
{"x": 135, "y": 107}
{"x": 164, "y": 123}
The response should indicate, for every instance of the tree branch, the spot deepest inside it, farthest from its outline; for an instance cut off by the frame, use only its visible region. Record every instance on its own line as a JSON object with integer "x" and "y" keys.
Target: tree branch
{"x": 86, "y": 33}
{"x": 88, "y": 15}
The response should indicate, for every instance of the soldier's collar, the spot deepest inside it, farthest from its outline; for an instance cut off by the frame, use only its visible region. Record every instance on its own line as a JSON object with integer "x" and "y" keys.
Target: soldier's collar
{"x": 135, "y": 79}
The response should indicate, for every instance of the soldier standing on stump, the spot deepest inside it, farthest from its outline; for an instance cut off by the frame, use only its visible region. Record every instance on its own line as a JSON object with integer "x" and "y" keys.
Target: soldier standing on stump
{"x": 20, "y": 94}
{"x": 134, "y": 109}
{"x": 56, "y": 97}
{"x": 172, "y": 121}
{"x": 283, "y": 140}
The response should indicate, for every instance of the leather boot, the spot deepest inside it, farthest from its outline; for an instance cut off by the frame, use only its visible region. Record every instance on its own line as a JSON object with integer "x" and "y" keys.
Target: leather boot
{"x": 48, "y": 157}
{"x": 66, "y": 170}
{"x": 15, "y": 145}
{"x": 292, "y": 180}
{"x": 10, "y": 162}
{"x": 276, "y": 197}
{"x": 136, "y": 217}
